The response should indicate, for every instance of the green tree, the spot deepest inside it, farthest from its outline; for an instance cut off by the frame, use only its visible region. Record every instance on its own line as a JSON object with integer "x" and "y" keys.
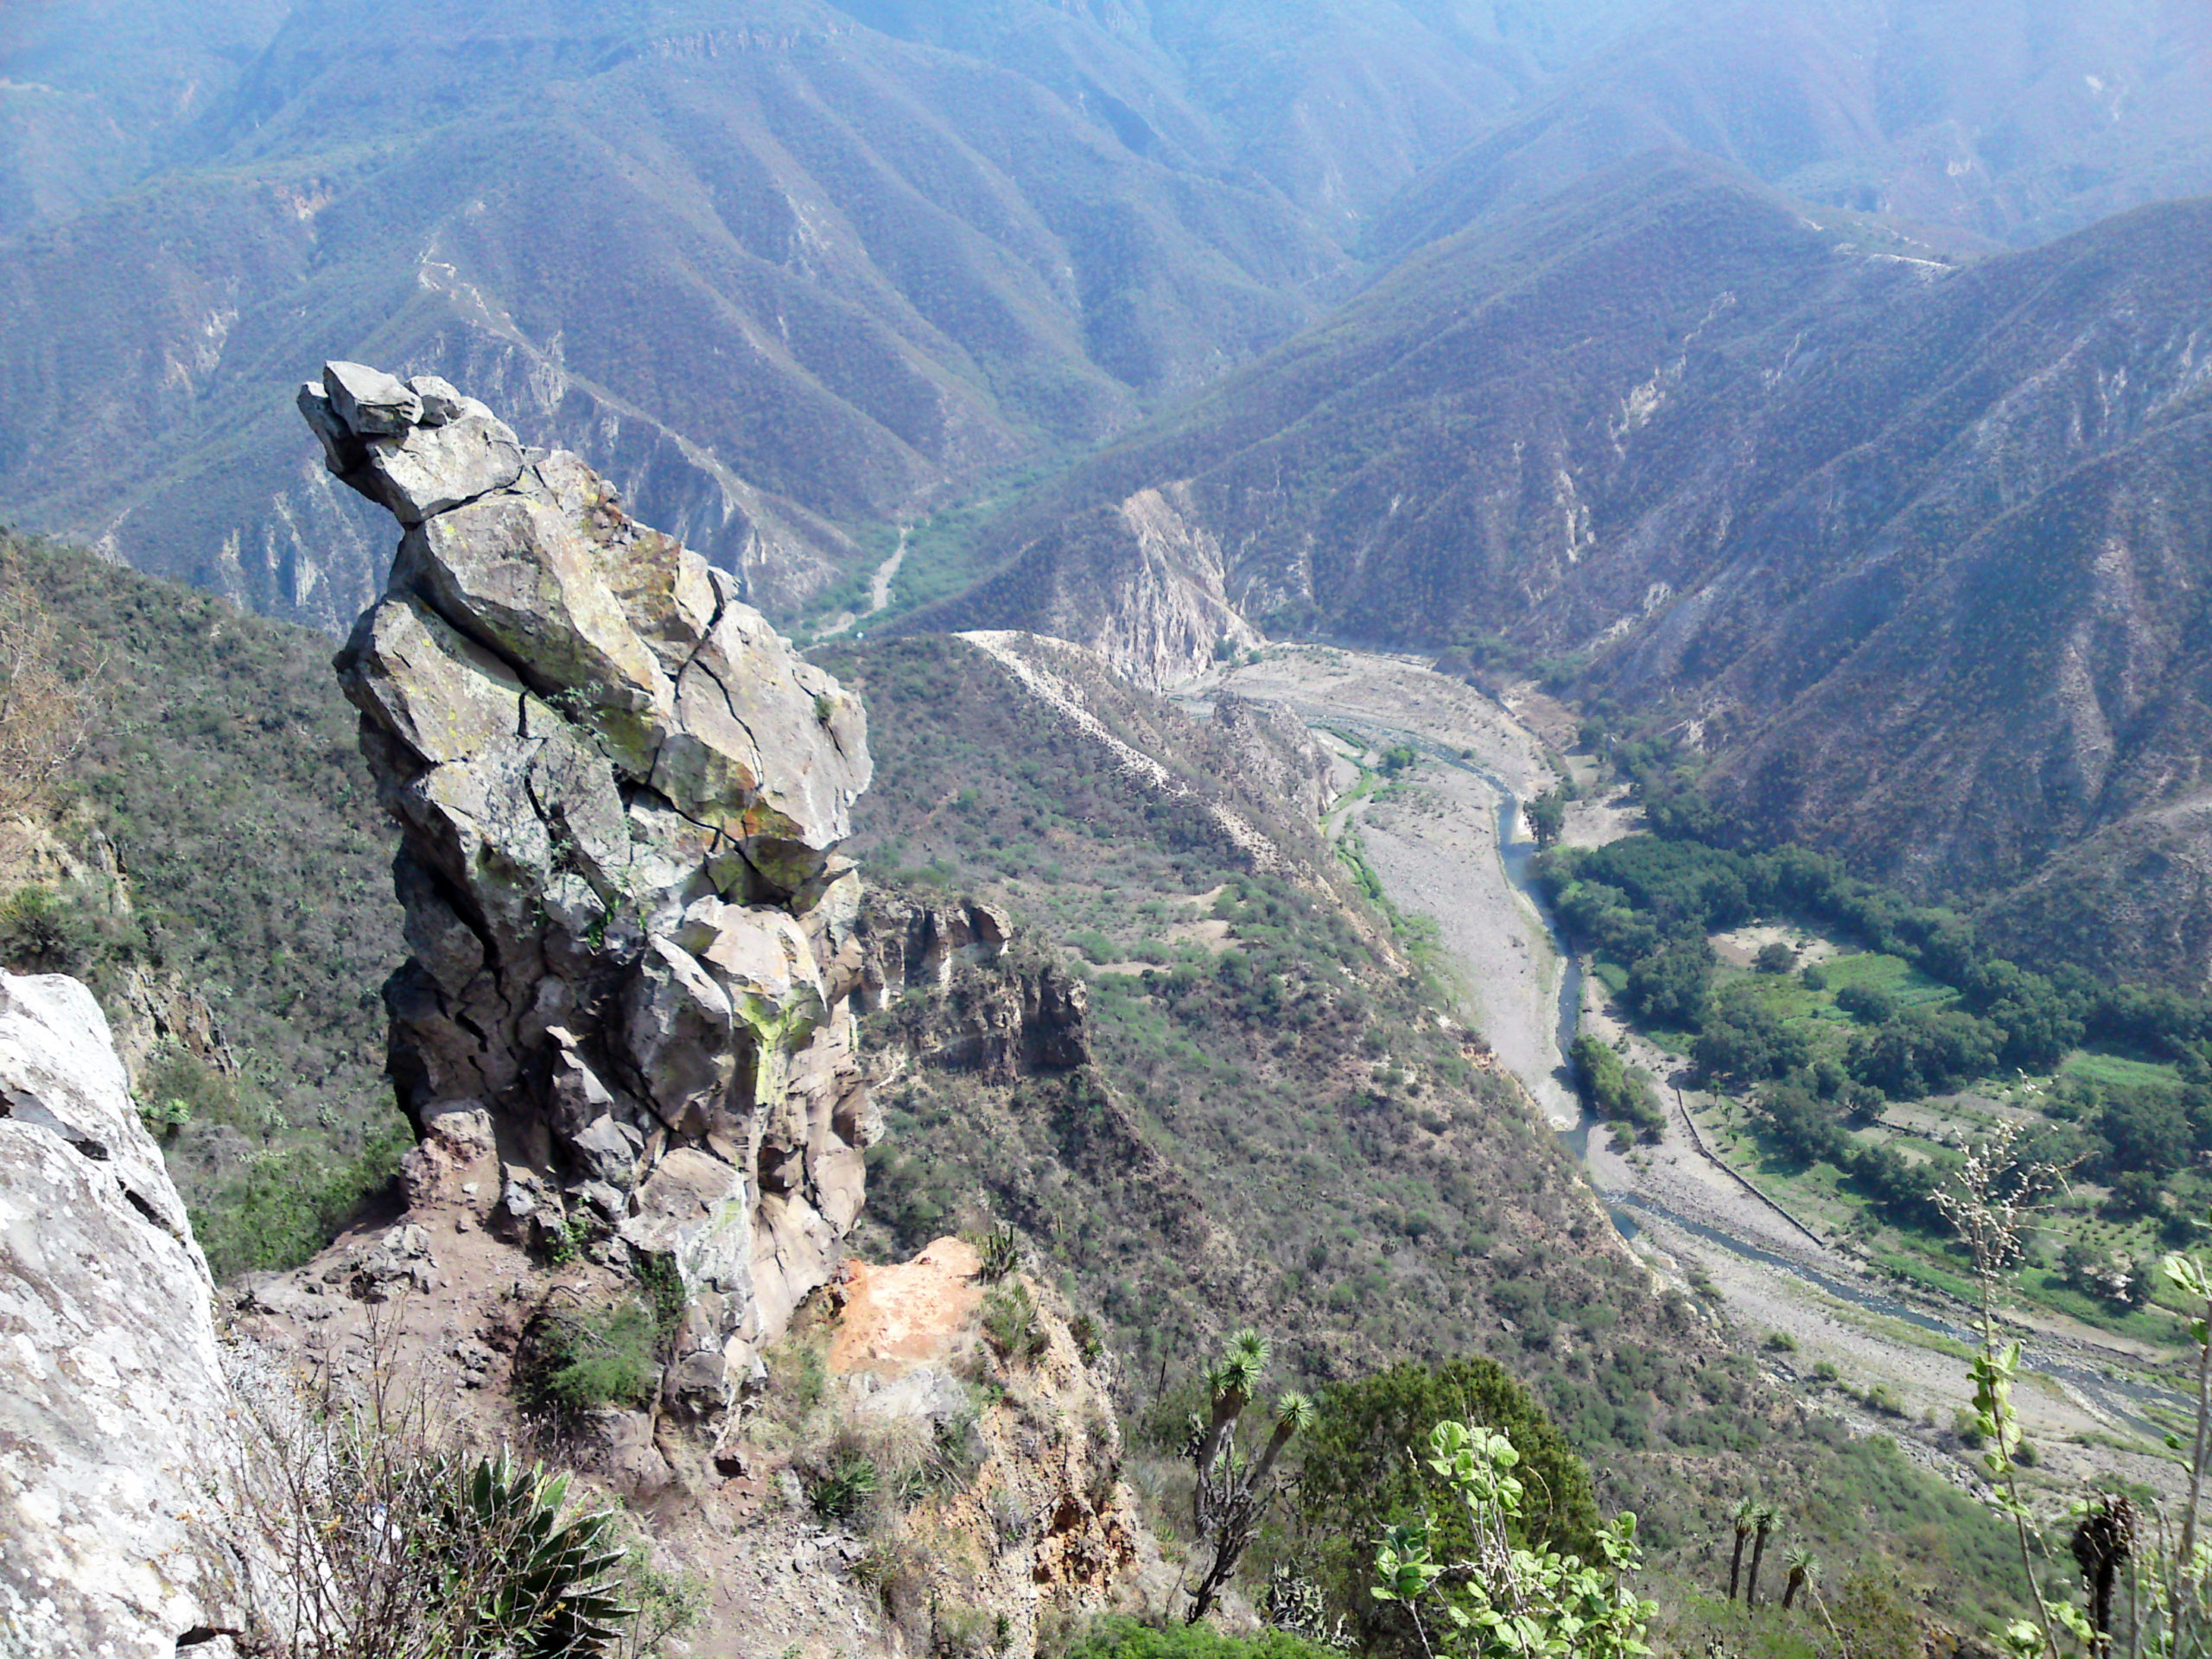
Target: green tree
{"x": 1358, "y": 1474}
{"x": 1504, "y": 1600}
{"x": 1547, "y": 817}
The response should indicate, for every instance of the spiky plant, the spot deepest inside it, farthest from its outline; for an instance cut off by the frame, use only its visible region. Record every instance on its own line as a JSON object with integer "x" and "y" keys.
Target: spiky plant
{"x": 545, "y": 1584}
{"x": 1804, "y": 1566}
{"x": 998, "y": 1253}
{"x": 1233, "y": 1492}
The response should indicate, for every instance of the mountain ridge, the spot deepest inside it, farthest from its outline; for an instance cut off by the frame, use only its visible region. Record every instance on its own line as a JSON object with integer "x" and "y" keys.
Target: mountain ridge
{"x": 1791, "y": 451}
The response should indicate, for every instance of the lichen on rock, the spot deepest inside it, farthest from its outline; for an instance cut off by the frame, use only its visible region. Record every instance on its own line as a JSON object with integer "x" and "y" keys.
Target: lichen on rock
{"x": 620, "y": 794}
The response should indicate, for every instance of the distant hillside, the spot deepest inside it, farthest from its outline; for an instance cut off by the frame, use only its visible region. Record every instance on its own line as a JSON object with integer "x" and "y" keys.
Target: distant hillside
{"x": 2011, "y": 121}
{"x": 1914, "y": 551}
{"x": 226, "y": 776}
{"x": 1275, "y": 1128}
{"x": 793, "y": 271}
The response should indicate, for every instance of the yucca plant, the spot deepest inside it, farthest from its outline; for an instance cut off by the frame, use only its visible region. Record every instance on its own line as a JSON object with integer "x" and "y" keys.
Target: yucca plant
{"x": 1234, "y": 1490}
{"x": 999, "y": 1253}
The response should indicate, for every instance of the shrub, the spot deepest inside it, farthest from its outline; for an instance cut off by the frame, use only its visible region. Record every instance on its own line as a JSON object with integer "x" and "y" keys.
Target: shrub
{"x": 575, "y": 1361}
{"x": 1124, "y": 1638}
{"x": 287, "y": 1203}
{"x": 1355, "y": 1478}
{"x": 1000, "y": 1252}
{"x": 1012, "y": 1323}
{"x": 841, "y": 1492}
{"x": 1775, "y": 958}
{"x": 495, "y": 1558}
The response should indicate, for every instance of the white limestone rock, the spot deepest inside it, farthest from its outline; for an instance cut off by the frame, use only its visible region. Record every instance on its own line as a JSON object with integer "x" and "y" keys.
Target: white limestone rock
{"x": 113, "y": 1405}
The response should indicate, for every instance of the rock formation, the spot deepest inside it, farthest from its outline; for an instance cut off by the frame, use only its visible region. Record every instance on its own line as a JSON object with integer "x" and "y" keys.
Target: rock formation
{"x": 112, "y": 1397}
{"x": 619, "y": 793}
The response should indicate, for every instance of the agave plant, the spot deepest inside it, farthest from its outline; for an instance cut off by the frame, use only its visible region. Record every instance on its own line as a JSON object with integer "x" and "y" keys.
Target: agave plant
{"x": 543, "y": 1584}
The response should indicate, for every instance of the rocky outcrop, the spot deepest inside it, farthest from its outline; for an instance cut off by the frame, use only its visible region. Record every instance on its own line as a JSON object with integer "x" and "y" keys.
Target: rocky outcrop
{"x": 1017, "y": 1017}
{"x": 913, "y": 944}
{"x": 112, "y": 1397}
{"x": 1279, "y": 758}
{"x": 619, "y": 793}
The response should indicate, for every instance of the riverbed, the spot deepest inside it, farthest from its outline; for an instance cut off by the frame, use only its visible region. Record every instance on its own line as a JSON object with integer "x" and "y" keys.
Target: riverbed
{"x": 1444, "y": 840}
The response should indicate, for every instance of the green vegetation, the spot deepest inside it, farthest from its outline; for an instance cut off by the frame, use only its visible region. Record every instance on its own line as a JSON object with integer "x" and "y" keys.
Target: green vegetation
{"x": 2167, "y": 1611}
{"x": 1356, "y": 1479}
{"x": 1620, "y": 1095}
{"x": 226, "y": 777}
{"x": 1262, "y": 1074}
{"x": 1124, "y": 1638}
{"x": 1234, "y": 1488}
{"x": 1919, "y": 1009}
{"x": 1516, "y": 1602}
{"x": 577, "y": 1359}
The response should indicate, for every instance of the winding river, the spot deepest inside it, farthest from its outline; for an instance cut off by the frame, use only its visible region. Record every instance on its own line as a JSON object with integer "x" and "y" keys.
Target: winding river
{"x": 1388, "y": 701}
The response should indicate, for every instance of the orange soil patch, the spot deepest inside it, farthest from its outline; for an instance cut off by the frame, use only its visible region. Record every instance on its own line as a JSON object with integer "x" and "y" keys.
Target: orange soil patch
{"x": 899, "y": 1316}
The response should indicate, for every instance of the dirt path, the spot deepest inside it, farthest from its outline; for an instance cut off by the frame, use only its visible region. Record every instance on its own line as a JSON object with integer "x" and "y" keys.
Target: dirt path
{"x": 879, "y": 591}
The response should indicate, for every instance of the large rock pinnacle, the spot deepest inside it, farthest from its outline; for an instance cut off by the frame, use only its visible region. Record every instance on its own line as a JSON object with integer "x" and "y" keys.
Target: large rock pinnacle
{"x": 618, "y": 792}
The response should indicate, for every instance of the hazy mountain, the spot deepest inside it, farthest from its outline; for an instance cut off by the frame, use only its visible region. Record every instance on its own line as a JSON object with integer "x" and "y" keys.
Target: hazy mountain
{"x": 778, "y": 273}
{"x": 2014, "y": 120}
{"x": 791, "y": 270}
{"x": 94, "y": 93}
{"x": 1919, "y": 552}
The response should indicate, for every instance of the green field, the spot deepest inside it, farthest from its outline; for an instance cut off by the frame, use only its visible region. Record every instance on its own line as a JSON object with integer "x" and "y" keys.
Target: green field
{"x": 2054, "y": 1106}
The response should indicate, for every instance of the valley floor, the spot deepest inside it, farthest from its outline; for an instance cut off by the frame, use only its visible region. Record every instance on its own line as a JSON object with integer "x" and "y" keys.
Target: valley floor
{"x": 1440, "y": 840}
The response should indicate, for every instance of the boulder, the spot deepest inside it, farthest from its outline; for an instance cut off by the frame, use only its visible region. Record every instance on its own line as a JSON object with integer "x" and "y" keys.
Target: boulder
{"x": 113, "y": 1404}
{"x": 619, "y": 795}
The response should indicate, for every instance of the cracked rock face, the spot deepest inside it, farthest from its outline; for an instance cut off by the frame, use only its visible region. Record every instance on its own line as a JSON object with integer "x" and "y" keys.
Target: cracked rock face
{"x": 112, "y": 1397}
{"x": 618, "y": 792}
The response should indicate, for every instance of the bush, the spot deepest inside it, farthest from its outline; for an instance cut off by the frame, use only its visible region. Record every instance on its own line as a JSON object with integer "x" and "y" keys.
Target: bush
{"x": 1124, "y": 1638}
{"x": 286, "y": 1204}
{"x": 1355, "y": 1478}
{"x": 841, "y": 1492}
{"x": 1011, "y": 1324}
{"x": 1867, "y": 1002}
{"x": 575, "y": 1362}
{"x": 1775, "y": 958}
{"x": 496, "y": 1558}
{"x": 999, "y": 1253}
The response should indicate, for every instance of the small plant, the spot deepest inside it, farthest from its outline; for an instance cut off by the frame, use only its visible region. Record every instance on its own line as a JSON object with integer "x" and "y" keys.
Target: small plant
{"x": 1508, "y": 1602}
{"x": 575, "y": 1362}
{"x": 163, "y": 1118}
{"x": 1000, "y": 1253}
{"x": 1011, "y": 1324}
{"x": 1089, "y": 1342}
{"x": 841, "y": 1493}
{"x": 382, "y": 1535}
{"x": 1010, "y": 1518}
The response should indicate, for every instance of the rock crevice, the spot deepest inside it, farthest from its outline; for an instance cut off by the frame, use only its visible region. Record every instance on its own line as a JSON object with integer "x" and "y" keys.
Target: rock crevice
{"x": 619, "y": 795}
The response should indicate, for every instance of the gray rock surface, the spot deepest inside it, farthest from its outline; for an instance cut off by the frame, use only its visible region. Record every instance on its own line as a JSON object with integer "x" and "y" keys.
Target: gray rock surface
{"x": 418, "y": 447}
{"x": 619, "y": 793}
{"x": 112, "y": 1396}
